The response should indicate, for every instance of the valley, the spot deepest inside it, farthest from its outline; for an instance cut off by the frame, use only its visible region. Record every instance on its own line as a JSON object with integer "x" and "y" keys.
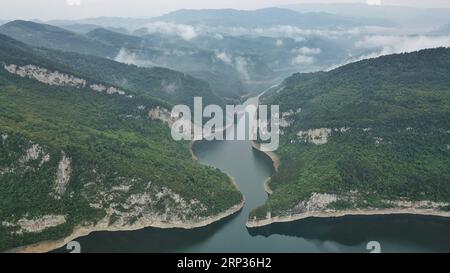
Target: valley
{"x": 88, "y": 151}
{"x": 396, "y": 233}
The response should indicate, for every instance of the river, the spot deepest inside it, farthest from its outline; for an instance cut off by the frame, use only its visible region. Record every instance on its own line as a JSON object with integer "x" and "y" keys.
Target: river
{"x": 395, "y": 233}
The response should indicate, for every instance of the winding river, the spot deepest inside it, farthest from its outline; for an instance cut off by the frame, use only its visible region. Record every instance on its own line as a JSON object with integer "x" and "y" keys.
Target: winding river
{"x": 395, "y": 233}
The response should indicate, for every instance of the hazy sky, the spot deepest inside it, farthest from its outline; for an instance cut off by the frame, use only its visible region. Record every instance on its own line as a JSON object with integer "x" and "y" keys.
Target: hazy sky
{"x": 71, "y": 9}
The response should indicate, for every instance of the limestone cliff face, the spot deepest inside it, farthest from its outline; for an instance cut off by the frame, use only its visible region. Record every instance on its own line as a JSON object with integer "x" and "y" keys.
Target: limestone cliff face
{"x": 63, "y": 175}
{"x": 108, "y": 90}
{"x": 323, "y": 203}
{"x": 45, "y": 76}
{"x": 57, "y": 78}
{"x": 35, "y": 224}
{"x": 124, "y": 205}
{"x": 315, "y": 136}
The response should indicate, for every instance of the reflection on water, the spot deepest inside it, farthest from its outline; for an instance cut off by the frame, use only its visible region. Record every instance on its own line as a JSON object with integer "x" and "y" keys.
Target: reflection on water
{"x": 394, "y": 232}
{"x": 149, "y": 239}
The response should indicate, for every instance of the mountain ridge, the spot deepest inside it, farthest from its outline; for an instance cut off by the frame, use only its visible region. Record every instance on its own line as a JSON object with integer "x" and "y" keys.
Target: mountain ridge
{"x": 370, "y": 135}
{"x": 73, "y": 154}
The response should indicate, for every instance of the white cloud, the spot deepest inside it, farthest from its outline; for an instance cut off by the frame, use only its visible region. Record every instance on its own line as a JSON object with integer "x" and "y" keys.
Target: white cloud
{"x": 302, "y": 60}
{"x": 186, "y": 32}
{"x": 304, "y": 55}
{"x": 296, "y": 33}
{"x": 218, "y": 36}
{"x": 279, "y": 43}
{"x": 224, "y": 57}
{"x": 189, "y": 32}
{"x": 241, "y": 65}
{"x": 308, "y": 51}
{"x": 131, "y": 58}
{"x": 380, "y": 45}
{"x": 384, "y": 44}
{"x": 238, "y": 62}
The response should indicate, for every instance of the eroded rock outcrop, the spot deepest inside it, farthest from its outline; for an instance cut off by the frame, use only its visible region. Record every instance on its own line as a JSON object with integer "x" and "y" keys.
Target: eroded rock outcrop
{"x": 316, "y": 202}
{"x": 62, "y": 175}
{"x": 45, "y": 76}
{"x": 125, "y": 205}
{"x": 56, "y": 78}
{"x": 108, "y": 90}
{"x": 36, "y": 225}
{"x": 315, "y": 136}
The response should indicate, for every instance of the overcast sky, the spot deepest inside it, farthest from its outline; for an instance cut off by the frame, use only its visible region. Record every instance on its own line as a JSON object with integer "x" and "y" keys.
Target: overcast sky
{"x": 75, "y": 9}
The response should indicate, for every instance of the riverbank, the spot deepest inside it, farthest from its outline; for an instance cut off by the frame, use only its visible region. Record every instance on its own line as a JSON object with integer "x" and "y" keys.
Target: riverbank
{"x": 267, "y": 188}
{"x": 103, "y": 225}
{"x": 276, "y": 162}
{"x": 331, "y": 214}
{"x": 337, "y": 214}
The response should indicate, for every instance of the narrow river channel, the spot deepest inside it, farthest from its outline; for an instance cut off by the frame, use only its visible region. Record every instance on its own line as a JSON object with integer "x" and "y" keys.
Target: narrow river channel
{"x": 250, "y": 168}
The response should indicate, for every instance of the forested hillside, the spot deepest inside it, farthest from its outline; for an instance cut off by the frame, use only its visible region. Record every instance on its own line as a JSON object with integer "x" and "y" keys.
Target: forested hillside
{"x": 128, "y": 49}
{"x": 76, "y": 150}
{"x": 156, "y": 82}
{"x": 48, "y": 36}
{"x": 372, "y": 134}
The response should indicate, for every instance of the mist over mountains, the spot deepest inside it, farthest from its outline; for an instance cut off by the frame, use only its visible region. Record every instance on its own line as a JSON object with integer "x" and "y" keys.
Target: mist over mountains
{"x": 237, "y": 51}
{"x": 401, "y": 16}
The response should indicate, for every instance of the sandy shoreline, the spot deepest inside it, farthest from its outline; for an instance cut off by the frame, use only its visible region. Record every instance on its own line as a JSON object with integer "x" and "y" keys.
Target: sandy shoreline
{"x": 337, "y": 214}
{"x": 103, "y": 225}
{"x": 334, "y": 214}
{"x": 267, "y": 188}
{"x": 276, "y": 162}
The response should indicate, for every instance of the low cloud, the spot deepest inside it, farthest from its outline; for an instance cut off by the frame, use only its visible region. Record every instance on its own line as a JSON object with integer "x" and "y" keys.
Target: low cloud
{"x": 124, "y": 56}
{"x": 189, "y": 32}
{"x": 401, "y": 44}
{"x": 224, "y": 57}
{"x": 305, "y": 55}
{"x": 169, "y": 87}
{"x": 186, "y": 32}
{"x": 239, "y": 63}
{"x": 380, "y": 45}
{"x": 279, "y": 43}
{"x": 308, "y": 51}
{"x": 300, "y": 34}
{"x": 302, "y": 59}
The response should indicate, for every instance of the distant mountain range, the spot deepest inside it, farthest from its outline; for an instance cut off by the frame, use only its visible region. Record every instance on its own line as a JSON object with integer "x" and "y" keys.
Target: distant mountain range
{"x": 259, "y": 18}
{"x": 232, "y": 18}
{"x": 230, "y": 64}
{"x": 85, "y": 28}
{"x": 48, "y": 36}
{"x": 150, "y": 81}
{"x": 128, "y": 49}
{"x": 398, "y": 15}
